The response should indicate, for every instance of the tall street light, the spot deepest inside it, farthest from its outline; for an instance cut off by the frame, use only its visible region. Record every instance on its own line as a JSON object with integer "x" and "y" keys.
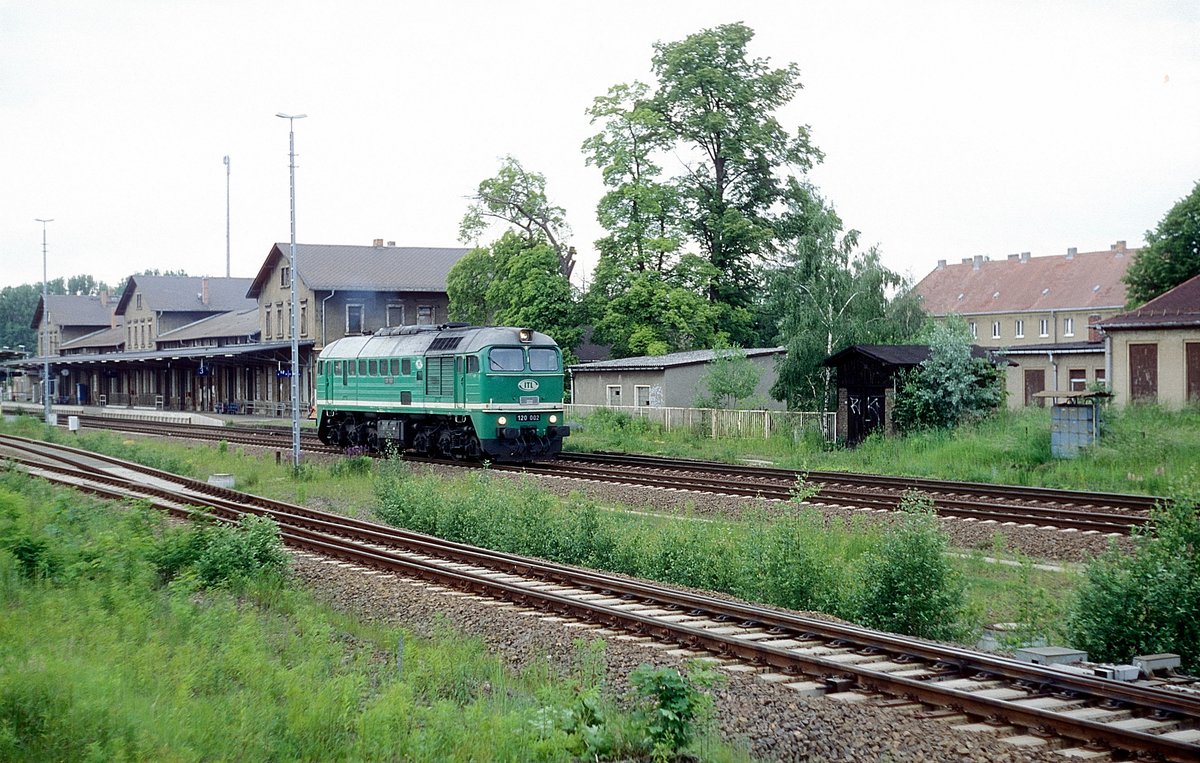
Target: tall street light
{"x": 295, "y": 377}
{"x": 45, "y": 325}
{"x": 227, "y": 168}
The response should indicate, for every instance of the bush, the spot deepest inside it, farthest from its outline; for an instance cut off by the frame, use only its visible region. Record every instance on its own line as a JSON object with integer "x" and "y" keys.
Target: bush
{"x": 1148, "y": 601}
{"x": 672, "y": 706}
{"x": 908, "y": 584}
{"x": 220, "y": 555}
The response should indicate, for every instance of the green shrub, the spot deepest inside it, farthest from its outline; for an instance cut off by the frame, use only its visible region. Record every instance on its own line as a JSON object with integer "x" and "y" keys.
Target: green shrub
{"x": 1148, "y": 601}
{"x": 908, "y": 584}
{"x": 672, "y": 707}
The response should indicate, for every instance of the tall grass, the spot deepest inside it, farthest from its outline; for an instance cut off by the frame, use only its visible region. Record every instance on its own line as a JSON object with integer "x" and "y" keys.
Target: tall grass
{"x": 100, "y": 660}
{"x": 1143, "y": 449}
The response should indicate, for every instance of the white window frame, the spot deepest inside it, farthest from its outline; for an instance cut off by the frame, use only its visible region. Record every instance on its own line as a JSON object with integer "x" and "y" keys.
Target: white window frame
{"x": 1073, "y": 380}
{"x": 995, "y": 329}
{"x": 1068, "y": 327}
{"x": 388, "y": 314}
{"x": 637, "y": 398}
{"x": 304, "y": 317}
{"x": 974, "y": 330}
{"x": 285, "y": 276}
{"x": 362, "y": 317}
{"x": 267, "y": 323}
{"x": 1044, "y": 328}
{"x": 1019, "y": 329}
{"x": 611, "y": 391}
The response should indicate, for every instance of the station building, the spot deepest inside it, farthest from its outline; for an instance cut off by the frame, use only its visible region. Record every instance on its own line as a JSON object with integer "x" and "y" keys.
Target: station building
{"x": 224, "y": 344}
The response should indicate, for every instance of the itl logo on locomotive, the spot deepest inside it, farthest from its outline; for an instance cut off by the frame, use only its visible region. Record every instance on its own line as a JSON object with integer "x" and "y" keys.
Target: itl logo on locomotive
{"x": 527, "y": 385}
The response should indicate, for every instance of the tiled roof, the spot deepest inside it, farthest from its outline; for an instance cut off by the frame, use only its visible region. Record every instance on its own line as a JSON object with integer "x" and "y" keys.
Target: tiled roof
{"x": 185, "y": 294}
{"x": 1178, "y": 307}
{"x": 1082, "y": 281}
{"x": 232, "y": 324}
{"x": 1071, "y": 348}
{"x": 659, "y": 362}
{"x": 365, "y": 268}
{"x": 73, "y": 310}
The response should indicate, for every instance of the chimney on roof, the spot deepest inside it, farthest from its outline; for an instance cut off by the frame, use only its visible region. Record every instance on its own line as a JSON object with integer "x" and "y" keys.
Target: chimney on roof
{"x": 104, "y": 297}
{"x": 204, "y": 291}
{"x": 1014, "y": 257}
{"x": 941, "y": 264}
{"x": 391, "y": 243}
{"x": 378, "y": 242}
{"x": 1118, "y": 247}
{"x": 966, "y": 261}
{"x": 977, "y": 261}
{"x": 1071, "y": 252}
{"x": 1024, "y": 256}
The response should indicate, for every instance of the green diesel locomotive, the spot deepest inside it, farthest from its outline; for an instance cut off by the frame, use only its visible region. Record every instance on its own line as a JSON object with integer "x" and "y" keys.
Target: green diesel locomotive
{"x": 453, "y": 390}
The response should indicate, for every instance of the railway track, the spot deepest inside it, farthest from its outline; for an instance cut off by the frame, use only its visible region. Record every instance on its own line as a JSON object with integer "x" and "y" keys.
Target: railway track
{"x": 1082, "y": 712}
{"x": 1108, "y": 513}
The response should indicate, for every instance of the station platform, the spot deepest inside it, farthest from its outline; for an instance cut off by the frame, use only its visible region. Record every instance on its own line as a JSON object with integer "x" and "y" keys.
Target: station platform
{"x": 130, "y": 414}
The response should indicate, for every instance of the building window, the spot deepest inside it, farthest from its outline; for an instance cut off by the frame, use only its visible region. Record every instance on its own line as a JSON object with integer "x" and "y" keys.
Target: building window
{"x": 613, "y": 394}
{"x": 1077, "y": 379}
{"x": 395, "y": 315}
{"x": 267, "y": 324}
{"x": 279, "y": 319}
{"x": 995, "y": 329}
{"x": 354, "y": 319}
{"x": 1068, "y": 327}
{"x": 425, "y": 315}
{"x": 641, "y": 394}
{"x": 285, "y": 276}
{"x": 1044, "y": 328}
{"x": 304, "y": 317}
{"x": 138, "y": 299}
{"x": 1101, "y": 376}
{"x": 974, "y": 330}
{"x": 1019, "y": 327}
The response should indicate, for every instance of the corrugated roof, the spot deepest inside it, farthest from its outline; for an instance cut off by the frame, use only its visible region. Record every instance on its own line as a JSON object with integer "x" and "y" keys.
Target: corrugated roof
{"x": 1083, "y": 281}
{"x": 185, "y": 294}
{"x": 1073, "y": 348}
{"x": 226, "y": 325}
{"x": 659, "y": 362}
{"x": 110, "y": 337}
{"x": 1178, "y": 307}
{"x": 74, "y": 310}
{"x": 365, "y": 268}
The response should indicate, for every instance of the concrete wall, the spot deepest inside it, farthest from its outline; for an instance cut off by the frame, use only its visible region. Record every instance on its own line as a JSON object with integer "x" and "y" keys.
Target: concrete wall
{"x": 1056, "y": 321}
{"x": 673, "y": 387}
{"x": 1172, "y": 366}
{"x": 1057, "y": 370}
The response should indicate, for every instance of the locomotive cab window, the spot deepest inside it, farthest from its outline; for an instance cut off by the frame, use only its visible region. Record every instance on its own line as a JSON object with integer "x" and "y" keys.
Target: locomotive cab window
{"x": 406, "y": 366}
{"x": 472, "y": 364}
{"x": 373, "y": 367}
{"x": 394, "y": 365}
{"x": 506, "y": 359}
{"x": 543, "y": 359}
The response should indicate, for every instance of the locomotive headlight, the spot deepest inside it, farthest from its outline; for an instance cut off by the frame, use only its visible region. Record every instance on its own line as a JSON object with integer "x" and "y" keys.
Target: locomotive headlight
{"x": 502, "y": 420}
{"x": 525, "y": 335}
{"x": 553, "y": 419}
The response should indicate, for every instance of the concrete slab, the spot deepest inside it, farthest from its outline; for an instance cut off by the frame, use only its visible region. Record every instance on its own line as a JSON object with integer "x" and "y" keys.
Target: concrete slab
{"x": 806, "y": 688}
{"x": 1025, "y": 740}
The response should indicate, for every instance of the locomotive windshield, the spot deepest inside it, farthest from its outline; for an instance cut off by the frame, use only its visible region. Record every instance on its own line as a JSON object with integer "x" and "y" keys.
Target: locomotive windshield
{"x": 541, "y": 359}
{"x": 506, "y": 359}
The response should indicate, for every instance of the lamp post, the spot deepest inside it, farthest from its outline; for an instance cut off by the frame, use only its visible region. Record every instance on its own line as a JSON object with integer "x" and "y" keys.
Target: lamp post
{"x": 45, "y": 325}
{"x": 227, "y": 168}
{"x": 295, "y": 377}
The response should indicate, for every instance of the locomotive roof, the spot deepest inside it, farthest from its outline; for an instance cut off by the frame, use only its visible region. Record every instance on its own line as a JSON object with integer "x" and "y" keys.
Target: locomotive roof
{"x": 431, "y": 340}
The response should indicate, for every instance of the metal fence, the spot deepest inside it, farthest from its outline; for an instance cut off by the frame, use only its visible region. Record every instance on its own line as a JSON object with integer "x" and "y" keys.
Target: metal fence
{"x": 719, "y": 422}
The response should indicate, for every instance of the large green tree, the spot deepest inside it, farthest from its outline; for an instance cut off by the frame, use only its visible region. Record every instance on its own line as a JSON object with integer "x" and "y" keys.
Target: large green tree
{"x": 1171, "y": 255}
{"x": 515, "y": 282}
{"x": 951, "y": 385}
{"x": 719, "y": 104}
{"x": 826, "y": 295}
{"x": 517, "y": 196}
{"x": 711, "y": 109}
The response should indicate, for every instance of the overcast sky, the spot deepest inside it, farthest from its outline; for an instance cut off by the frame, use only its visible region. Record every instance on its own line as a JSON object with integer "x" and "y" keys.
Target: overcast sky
{"x": 950, "y": 128}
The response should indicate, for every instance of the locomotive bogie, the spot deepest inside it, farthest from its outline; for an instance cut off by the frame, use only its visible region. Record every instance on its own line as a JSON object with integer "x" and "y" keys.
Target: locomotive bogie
{"x": 464, "y": 392}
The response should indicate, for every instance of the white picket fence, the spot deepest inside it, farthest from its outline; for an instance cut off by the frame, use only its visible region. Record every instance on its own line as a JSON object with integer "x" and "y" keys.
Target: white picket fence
{"x": 719, "y": 422}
